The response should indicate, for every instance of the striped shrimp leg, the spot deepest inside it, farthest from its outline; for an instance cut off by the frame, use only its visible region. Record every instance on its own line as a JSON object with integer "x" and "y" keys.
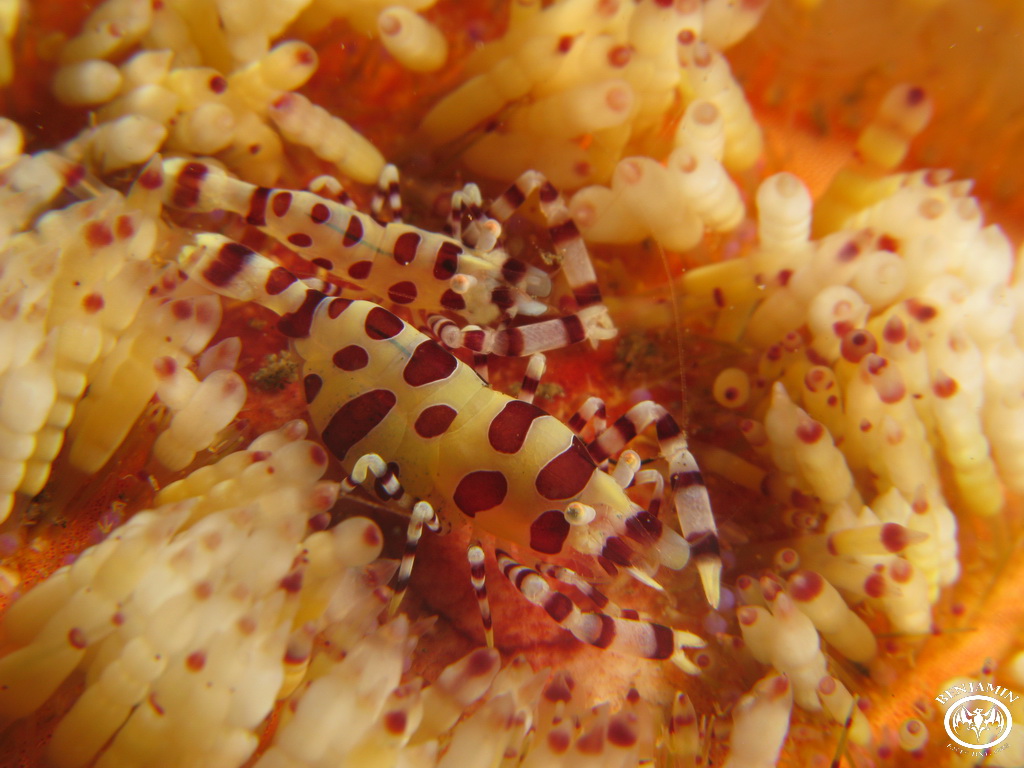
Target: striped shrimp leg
{"x": 521, "y": 341}
{"x": 467, "y": 221}
{"x": 570, "y": 578}
{"x": 422, "y": 515}
{"x": 387, "y": 195}
{"x": 568, "y": 242}
{"x": 386, "y": 483}
{"x": 478, "y": 580}
{"x": 634, "y": 637}
{"x": 388, "y": 487}
{"x": 329, "y": 187}
{"x": 591, "y": 412}
{"x": 690, "y": 494}
{"x": 531, "y": 379}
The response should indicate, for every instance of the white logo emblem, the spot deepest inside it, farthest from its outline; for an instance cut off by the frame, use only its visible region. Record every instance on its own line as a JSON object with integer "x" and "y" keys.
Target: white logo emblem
{"x": 978, "y": 722}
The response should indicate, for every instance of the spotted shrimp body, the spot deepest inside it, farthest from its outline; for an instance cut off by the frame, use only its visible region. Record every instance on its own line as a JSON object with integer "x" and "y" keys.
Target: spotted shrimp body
{"x": 390, "y": 401}
{"x": 414, "y": 268}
